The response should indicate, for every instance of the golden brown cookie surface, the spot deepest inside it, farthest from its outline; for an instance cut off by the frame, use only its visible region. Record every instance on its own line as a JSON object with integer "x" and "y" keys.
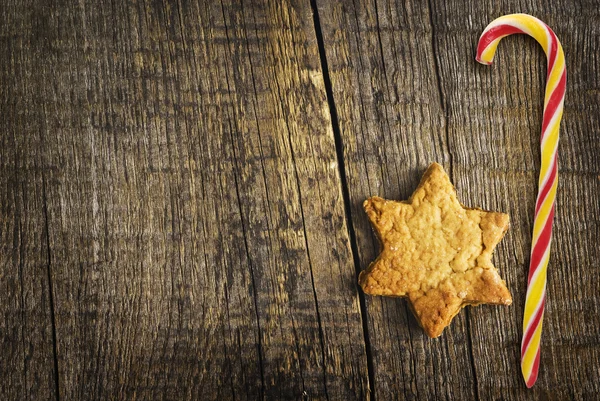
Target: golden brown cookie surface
{"x": 435, "y": 252}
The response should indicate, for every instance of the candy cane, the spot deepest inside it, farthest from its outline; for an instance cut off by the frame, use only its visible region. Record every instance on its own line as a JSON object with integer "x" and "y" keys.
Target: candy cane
{"x": 548, "y": 180}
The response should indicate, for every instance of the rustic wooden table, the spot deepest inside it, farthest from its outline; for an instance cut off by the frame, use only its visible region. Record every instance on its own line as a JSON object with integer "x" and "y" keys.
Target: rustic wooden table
{"x": 181, "y": 187}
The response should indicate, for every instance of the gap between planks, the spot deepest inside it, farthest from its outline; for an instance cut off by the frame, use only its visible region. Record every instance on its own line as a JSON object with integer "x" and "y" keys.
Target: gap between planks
{"x": 339, "y": 148}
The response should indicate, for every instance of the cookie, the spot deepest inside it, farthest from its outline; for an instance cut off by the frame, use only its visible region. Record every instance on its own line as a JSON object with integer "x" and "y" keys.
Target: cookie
{"x": 435, "y": 252}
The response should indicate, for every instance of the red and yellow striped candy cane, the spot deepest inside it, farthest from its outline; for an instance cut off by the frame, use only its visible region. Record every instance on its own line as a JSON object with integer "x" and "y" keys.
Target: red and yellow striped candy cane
{"x": 548, "y": 180}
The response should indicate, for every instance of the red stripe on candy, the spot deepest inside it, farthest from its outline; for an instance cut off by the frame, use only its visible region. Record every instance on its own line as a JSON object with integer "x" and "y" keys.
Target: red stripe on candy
{"x": 546, "y": 188}
{"x": 534, "y": 371}
{"x": 493, "y": 34}
{"x": 554, "y": 102}
{"x": 534, "y": 324}
{"x": 553, "y": 49}
{"x": 537, "y": 253}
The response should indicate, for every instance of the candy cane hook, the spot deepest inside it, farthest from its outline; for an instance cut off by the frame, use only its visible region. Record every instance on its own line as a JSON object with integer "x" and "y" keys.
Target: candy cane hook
{"x": 548, "y": 180}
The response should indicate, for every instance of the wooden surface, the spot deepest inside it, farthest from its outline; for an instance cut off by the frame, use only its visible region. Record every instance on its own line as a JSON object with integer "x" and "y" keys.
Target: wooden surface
{"x": 181, "y": 186}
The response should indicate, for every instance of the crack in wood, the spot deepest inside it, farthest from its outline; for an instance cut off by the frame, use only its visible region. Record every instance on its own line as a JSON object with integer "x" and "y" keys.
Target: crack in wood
{"x": 244, "y": 229}
{"x": 51, "y": 289}
{"x": 339, "y": 146}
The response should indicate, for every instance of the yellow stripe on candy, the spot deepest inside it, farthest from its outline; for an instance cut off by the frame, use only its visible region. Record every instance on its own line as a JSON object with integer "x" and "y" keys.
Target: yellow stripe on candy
{"x": 531, "y": 25}
{"x": 536, "y": 292}
{"x": 488, "y": 55}
{"x": 529, "y": 357}
{"x": 555, "y": 74}
{"x": 544, "y": 212}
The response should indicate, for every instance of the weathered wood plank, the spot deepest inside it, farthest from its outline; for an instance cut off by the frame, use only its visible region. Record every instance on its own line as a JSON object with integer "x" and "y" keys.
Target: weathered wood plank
{"x": 196, "y": 225}
{"x": 382, "y": 67}
{"x": 297, "y": 236}
{"x": 27, "y": 369}
{"x": 407, "y": 92}
{"x": 494, "y": 119}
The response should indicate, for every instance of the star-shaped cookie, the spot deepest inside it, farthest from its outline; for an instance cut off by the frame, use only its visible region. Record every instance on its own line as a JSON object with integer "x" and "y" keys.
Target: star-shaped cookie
{"x": 435, "y": 252}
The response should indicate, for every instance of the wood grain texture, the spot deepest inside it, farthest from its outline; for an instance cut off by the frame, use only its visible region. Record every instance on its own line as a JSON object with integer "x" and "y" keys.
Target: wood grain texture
{"x": 176, "y": 179}
{"x": 408, "y": 92}
{"x": 196, "y": 227}
{"x": 27, "y": 368}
